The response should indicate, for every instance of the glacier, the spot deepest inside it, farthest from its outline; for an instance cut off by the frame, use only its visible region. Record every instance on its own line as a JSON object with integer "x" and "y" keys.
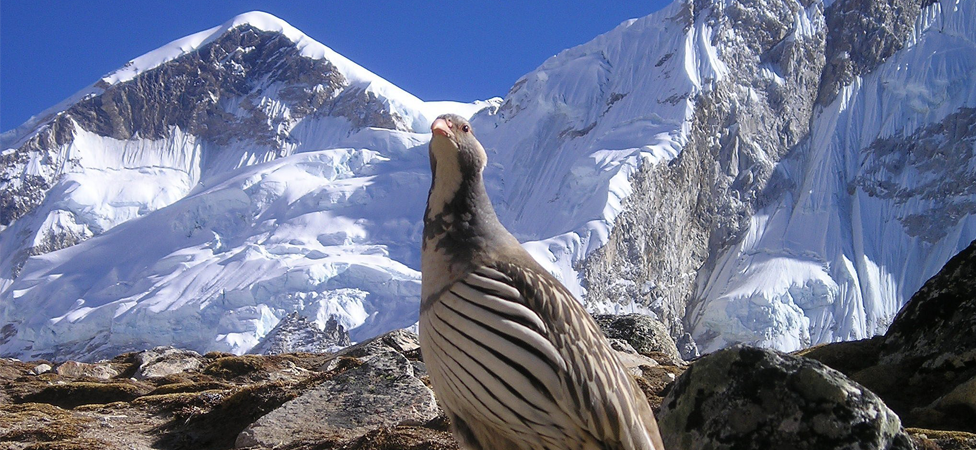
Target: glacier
{"x": 837, "y": 258}
{"x": 217, "y": 269}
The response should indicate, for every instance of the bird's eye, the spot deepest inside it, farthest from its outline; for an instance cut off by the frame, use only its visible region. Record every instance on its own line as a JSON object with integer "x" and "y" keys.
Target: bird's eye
{"x": 465, "y": 128}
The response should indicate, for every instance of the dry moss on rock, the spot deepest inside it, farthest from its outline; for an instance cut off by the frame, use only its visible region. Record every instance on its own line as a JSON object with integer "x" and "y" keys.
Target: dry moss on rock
{"x": 70, "y": 395}
{"x": 38, "y": 422}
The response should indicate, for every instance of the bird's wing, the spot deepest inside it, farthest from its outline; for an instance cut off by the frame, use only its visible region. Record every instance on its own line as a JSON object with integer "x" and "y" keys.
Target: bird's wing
{"x": 504, "y": 369}
{"x": 612, "y": 407}
{"x": 523, "y": 339}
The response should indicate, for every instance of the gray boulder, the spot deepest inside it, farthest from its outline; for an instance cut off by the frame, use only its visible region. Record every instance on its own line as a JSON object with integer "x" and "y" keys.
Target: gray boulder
{"x": 633, "y": 361}
{"x": 687, "y": 347}
{"x": 751, "y": 398}
{"x": 41, "y": 368}
{"x": 646, "y": 334}
{"x": 295, "y": 333}
{"x": 163, "y": 361}
{"x": 74, "y": 369}
{"x": 382, "y": 390}
{"x": 400, "y": 340}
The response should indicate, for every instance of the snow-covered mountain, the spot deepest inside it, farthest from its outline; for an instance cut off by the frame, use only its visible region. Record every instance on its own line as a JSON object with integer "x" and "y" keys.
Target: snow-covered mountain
{"x": 829, "y": 171}
{"x": 769, "y": 171}
{"x": 884, "y": 193}
{"x": 201, "y": 193}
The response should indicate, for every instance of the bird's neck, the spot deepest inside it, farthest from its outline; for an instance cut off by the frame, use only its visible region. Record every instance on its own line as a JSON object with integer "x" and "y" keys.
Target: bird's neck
{"x": 458, "y": 224}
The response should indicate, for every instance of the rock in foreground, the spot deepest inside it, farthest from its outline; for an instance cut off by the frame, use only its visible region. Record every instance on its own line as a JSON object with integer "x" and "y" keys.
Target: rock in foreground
{"x": 646, "y": 334}
{"x": 368, "y": 396}
{"x": 751, "y": 398}
{"x": 382, "y": 389}
{"x": 924, "y": 367}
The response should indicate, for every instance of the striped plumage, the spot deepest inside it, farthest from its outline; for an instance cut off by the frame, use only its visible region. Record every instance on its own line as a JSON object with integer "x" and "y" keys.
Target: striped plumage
{"x": 515, "y": 360}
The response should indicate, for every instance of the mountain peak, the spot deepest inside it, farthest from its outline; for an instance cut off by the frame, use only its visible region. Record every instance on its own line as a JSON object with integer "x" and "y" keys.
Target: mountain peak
{"x": 257, "y": 19}
{"x": 399, "y": 101}
{"x": 262, "y": 20}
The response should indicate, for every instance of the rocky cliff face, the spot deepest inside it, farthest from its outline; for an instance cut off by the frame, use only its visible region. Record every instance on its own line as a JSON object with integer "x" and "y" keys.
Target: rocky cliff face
{"x": 772, "y": 226}
{"x": 681, "y": 215}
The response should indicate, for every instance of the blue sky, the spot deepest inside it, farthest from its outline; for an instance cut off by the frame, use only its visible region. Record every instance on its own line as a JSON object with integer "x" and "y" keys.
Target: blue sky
{"x": 435, "y": 50}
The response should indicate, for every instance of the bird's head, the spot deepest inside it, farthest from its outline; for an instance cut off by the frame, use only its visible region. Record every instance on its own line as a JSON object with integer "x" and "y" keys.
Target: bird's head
{"x": 454, "y": 147}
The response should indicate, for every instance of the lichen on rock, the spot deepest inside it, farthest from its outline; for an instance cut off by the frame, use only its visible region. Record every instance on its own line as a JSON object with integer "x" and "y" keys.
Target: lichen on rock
{"x": 751, "y": 398}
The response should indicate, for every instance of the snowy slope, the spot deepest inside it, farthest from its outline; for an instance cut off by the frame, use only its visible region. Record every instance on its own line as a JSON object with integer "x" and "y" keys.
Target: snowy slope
{"x": 885, "y": 197}
{"x": 219, "y": 268}
{"x": 230, "y": 256}
{"x": 178, "y": 239}
{"x": 570, "y": 134}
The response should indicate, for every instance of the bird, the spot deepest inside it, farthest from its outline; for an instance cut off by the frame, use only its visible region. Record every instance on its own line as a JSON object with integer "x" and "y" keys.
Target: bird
{"x": 514, "y": 359}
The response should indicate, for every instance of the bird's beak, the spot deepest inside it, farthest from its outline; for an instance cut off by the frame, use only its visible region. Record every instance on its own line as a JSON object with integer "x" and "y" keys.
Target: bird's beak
{"x": 441, "y": 127}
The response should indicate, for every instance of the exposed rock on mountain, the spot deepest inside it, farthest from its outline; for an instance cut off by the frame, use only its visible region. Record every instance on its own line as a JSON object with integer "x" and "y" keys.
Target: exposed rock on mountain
{"x": 864, "y": 34}
{"x": 932, "y": 165}
{"x": 754, "y": 111}
{"x": 295, "y": 333}
{"x": 825, "y": 259}
{"x": 736, "y": 172}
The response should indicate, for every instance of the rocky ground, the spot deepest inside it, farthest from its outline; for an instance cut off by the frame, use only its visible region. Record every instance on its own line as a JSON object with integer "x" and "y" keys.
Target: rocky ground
{"x": 914, "y": 387}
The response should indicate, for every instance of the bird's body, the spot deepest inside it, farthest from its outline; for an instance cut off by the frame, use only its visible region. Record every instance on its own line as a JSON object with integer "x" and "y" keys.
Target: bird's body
{"x": 514, "y": 359}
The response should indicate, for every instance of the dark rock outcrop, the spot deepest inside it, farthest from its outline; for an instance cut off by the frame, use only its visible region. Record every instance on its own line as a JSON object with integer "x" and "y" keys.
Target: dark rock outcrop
{"x": 751, "y": 398}
{"x": 924, "y": 367}
{"x": 932, "y": 163}
{"x": 863, "y": 34}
